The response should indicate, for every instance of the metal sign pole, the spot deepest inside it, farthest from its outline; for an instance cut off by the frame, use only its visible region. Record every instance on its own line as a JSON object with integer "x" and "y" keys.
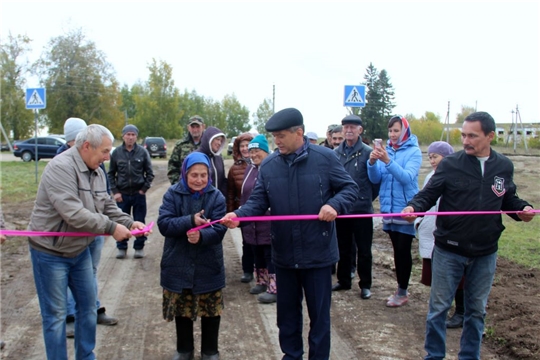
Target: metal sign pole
{"x": 36, "y": 143}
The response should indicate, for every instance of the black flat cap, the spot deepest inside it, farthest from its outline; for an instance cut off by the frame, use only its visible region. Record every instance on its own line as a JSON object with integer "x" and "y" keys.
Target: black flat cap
{"x": 284, "y": 119}
{"x": 352, "y": 119}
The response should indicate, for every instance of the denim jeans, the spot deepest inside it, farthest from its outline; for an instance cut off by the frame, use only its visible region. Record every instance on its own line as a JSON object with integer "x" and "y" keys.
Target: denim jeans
{"x": 52, "y": 276}
{"x": 95, "y": 253}
{"x": 447, "y": 270}
{"x": 137, "y": 203}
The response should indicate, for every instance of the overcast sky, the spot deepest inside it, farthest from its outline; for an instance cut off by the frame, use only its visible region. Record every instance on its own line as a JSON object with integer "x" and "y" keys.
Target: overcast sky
{"x": 482, "y": 54}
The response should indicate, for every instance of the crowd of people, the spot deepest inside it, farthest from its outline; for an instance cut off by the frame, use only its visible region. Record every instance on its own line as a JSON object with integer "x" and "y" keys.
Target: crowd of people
{"x": 343, "y": 175}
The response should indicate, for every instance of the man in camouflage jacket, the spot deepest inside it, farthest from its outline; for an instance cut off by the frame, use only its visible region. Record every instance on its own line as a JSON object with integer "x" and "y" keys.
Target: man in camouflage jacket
{"x": 184, "y": 147}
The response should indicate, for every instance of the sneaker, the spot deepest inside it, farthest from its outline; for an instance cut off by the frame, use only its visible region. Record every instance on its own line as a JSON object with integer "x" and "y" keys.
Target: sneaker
{"x": 121, "y": 253}
{"x": 267, "y": 298}
{"x": 139, "y": 254}
{"x": 70, "y": 330}
{"x": 257, "y": 289}
{"x": 456, "y": 321}
{"x": 397, "y": 300}
{"x": 394, "y": 294}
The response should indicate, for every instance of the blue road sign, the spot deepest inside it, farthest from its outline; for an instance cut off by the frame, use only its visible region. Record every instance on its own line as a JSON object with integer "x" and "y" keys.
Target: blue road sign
{"x": 36, "y": 98}
{"x": 355, "y": 96}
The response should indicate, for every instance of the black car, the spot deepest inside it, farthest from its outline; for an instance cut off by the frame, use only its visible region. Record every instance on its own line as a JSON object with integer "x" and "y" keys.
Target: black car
{"x": 156, "y": 146}
{"x": 46, "y": 147}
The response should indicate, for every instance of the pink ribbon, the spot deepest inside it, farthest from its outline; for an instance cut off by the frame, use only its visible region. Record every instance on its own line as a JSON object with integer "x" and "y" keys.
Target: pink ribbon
{"x": 135, "y": 232}
{"x": 316, "y": 217}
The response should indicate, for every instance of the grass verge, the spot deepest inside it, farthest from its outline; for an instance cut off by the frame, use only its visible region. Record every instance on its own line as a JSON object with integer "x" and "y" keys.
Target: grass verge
{"x": 18, "y": 181}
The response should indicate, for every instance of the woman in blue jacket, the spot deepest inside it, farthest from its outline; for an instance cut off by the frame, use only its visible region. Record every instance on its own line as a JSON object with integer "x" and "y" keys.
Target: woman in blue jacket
{"x": 396, "y": 168}
{"x": 192, "y": 267}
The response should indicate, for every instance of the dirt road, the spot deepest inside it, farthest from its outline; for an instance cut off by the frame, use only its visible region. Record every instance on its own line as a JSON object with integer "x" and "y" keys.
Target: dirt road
{"x": 129, "y": 288}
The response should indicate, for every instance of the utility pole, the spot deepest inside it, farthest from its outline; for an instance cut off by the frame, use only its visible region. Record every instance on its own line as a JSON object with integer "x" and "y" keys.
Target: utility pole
{"x": 514, "y": 130}
{"x": 447, "y": 125}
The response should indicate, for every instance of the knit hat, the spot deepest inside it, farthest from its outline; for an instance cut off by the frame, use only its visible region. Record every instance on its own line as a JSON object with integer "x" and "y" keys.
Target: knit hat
{"x": 130, "y": 128}
{"x": 312, "y": 136}
{"x": 72, "y": 127}
{"x": 258, "y": 142}
{"x": 440, "y": 147}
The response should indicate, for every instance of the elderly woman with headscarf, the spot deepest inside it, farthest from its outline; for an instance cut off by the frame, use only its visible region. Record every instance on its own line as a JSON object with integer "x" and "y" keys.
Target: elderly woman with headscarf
{"x": 396, "y": 168}
{"x": 192, "y": 266}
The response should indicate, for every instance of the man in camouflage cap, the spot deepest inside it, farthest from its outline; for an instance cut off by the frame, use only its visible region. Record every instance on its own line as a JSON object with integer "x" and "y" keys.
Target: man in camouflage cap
{"x": 184, "y": 147}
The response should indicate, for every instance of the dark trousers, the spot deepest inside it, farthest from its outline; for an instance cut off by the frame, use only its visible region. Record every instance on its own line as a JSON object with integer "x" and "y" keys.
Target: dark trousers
{"x": 263, "y": 257}
{"x": 402, "y": 257}
{"x": 137, "y": 204}
{"x": 209, "y": 334}
{"x": 350, "y": 233}
{"x": 248, "y": 259}
{"x": 316, "y": 284}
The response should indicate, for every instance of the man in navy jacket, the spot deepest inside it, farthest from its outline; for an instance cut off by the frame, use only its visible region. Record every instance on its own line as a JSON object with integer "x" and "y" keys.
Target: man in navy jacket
{"x": 301, "y": 179}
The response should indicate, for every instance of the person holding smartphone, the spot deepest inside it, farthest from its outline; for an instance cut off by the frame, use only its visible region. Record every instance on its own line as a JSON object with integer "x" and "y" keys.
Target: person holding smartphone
{"x": 395, "y": 167}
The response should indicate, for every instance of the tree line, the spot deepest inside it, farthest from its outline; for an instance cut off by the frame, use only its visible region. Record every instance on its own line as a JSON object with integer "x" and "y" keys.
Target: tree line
{"x": 80, "y": 82}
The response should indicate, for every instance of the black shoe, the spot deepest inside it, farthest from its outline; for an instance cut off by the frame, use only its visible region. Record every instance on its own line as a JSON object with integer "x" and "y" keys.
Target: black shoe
{"x": 247, "y": 277}
{"x": 365, "y": 294}
{"x": 456, "y": 321}
{"x": 339, "y": 287}
{"x": 183, "y": 356}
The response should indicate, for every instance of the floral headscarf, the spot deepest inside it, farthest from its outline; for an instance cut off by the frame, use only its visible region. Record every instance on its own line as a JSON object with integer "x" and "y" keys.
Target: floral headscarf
{"x": 405, "y": 132}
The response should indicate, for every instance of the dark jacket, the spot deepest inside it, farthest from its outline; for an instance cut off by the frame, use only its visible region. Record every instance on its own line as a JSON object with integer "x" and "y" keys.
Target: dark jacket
{"x": 459, "y": 182}
{"x": 217, "y": 166}
{"x": 130, "y": 171}
{"x": 355, "y": 162}
{"x": 200, "y": 266}
{"x": 254, "y": 232}
{"x": 235, "y": 176}
{"x": 313, "y": 179}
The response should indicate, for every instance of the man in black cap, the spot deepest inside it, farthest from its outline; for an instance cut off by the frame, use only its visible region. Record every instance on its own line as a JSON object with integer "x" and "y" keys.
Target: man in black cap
{"x": 302, "y": 179}
{"x": 130, "y": 175}
{"x": 353, "y": 155}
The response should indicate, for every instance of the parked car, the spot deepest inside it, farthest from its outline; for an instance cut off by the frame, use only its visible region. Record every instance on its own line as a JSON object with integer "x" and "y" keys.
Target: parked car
{"x": 46, "y": 148}
{"x": 156, "y": 146}
{"x": 230, "y": 146}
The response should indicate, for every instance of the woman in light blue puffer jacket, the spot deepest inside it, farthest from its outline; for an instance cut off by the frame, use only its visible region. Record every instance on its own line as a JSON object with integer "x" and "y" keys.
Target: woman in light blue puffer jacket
{"x": 396, "y": 168}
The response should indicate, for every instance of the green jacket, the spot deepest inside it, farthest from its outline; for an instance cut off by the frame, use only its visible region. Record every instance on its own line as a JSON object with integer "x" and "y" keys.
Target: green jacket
{"x": 182, "y": 148}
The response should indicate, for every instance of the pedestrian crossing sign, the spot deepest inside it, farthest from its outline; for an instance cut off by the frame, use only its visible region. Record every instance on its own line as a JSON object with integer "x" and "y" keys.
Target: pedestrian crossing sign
{"x": 35, "y": 98}
{"x": 355, "y": 96}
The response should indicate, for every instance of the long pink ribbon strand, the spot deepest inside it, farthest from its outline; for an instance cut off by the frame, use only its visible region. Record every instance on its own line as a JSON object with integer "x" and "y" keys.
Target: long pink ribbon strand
{"x": 146, "y": 229}
{"x": 316, "y": 217}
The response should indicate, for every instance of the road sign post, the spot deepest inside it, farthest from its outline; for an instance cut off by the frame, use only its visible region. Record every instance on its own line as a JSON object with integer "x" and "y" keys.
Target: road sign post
{"x": 36, "y": 99}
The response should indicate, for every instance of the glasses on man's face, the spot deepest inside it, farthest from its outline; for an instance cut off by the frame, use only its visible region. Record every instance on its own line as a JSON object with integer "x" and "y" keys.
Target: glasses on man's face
{"x": 195, "y": 125}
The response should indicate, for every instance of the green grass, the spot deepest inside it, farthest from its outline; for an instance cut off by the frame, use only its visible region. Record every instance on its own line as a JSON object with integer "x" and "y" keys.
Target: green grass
{"x": 520, "y": 242}
{"x": 18, "y": 181}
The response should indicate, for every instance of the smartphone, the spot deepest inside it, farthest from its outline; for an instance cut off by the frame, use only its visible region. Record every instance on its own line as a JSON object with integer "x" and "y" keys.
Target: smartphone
{"x": 377, "y": 142}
